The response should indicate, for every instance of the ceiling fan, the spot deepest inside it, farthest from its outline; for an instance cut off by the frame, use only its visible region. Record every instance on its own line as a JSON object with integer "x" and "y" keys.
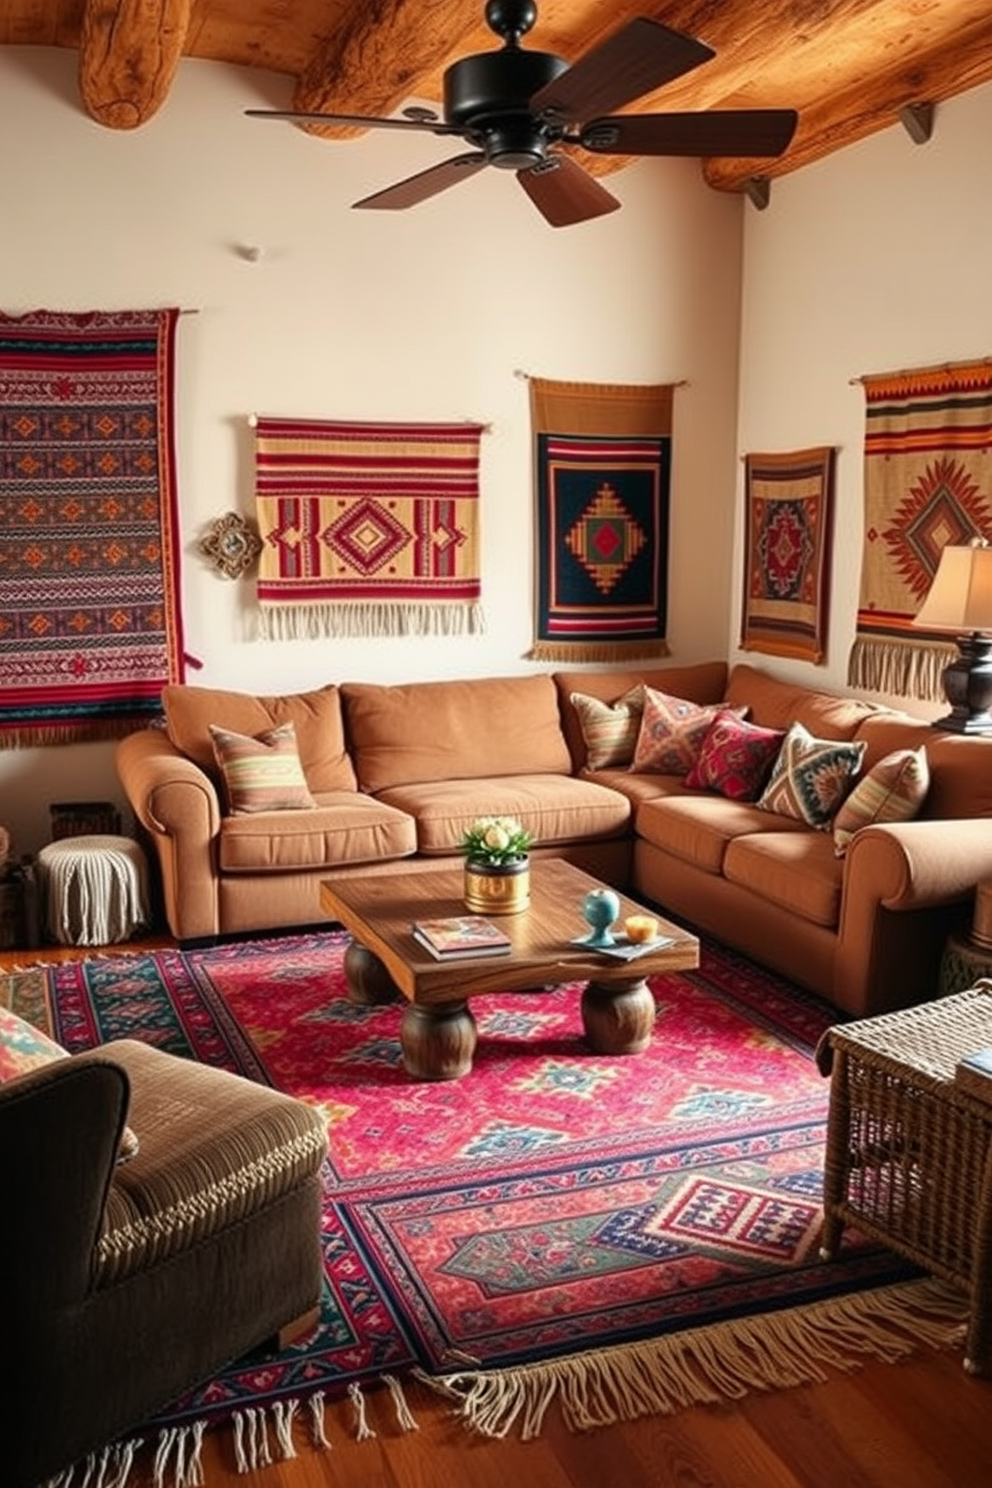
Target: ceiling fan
{"x": 521, "y": 109}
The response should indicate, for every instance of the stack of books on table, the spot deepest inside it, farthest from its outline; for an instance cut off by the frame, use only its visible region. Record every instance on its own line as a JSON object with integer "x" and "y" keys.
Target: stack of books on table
{"x": 457, "y": 936}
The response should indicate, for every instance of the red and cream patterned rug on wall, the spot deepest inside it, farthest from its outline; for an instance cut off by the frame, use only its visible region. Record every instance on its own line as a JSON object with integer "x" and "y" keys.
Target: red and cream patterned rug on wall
{"x": 624, "y": 1234}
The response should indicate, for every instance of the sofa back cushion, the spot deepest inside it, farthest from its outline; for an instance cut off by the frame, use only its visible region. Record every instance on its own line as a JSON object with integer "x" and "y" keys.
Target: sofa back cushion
{"x": 960, "y": 766}
{"x": 315, "y": 716}
{"x": 456, "y": 730}
{"x": 703, "y": 682}
{"x": 775, "y": 704}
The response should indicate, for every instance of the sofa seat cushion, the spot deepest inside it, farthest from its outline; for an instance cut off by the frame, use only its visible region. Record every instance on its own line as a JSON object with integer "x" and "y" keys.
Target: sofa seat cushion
{"x": 458, "y": 730}
{"x": 699, "y": 828}
{"x": 555, "y": 808}
{"x": 639, "y": 787}
{"x": 316, "y": 718}
{"x": 344, "y": 827}
{"x": 798, "y": 871}
{"x": 215, "y": 1149}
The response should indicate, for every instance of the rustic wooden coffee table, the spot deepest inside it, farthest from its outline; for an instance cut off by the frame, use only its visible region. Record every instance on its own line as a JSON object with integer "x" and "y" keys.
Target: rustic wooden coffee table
{"x": 438, "y": 1033}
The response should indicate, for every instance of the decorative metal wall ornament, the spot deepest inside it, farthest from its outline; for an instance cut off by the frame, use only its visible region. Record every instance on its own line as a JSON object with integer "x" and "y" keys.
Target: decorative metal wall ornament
{"x": 232, "y": 545}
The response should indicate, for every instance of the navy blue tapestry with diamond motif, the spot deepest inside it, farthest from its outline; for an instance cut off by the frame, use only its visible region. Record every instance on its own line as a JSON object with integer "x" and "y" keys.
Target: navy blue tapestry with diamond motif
{"x": 602, "y": 471}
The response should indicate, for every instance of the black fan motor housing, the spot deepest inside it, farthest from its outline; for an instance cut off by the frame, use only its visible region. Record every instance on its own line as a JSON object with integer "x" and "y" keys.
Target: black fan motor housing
{"x": 489, "y": 94}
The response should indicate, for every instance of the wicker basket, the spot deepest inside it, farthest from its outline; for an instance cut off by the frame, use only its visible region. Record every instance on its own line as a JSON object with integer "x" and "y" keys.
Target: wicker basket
{"x": 909, "y": 1146}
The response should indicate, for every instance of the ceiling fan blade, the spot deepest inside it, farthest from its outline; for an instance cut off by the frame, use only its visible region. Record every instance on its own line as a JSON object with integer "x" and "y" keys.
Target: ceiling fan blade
{"x": 636, "y": 59}
{"x": 564, "y": 193}
{"x": 360, "y": 121}
{"x": 741, "y": 132}
{"x": 424, "y": 184}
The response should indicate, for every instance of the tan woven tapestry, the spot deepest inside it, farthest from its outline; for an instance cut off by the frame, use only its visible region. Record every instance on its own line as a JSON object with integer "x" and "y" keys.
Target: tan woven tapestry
{"x": 367, "y": 529}
{"x": 928, "y": 483}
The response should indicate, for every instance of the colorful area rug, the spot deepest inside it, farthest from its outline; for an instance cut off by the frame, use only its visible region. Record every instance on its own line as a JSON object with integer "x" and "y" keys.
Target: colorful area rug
{"x": 787, "y": 534}
{"x": 602, "y": 467}
{"x": 367, "y": 529}
{"x": 556, "y": 1222}
{"x": 90, "y": 627}
{"x": 928, "y": 482}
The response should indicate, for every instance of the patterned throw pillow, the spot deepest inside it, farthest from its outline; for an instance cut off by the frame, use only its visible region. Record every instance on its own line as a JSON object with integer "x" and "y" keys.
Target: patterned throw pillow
{"x": 892, "y": 791}
{"x": 811, "y": 777}
{"x": 672, "y": 732}
{"x": 261, "y": 774}
{"x": 736, "y": 757}
{"x": 609, "y": 729}
{"x": 24, "y": 1048}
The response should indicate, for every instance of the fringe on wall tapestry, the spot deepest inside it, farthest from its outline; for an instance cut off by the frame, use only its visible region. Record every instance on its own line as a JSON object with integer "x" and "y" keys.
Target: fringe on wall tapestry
{"x": 788, "y": 500}
{"x": 928, "y": 482}
{"x": 90, "y": 626}
{"x": 367, "y": 529}
{"x": 602, "y": 463}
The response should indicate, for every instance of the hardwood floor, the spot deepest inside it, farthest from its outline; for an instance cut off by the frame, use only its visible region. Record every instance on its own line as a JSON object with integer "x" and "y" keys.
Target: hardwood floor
{"x": 921, "y": 1423}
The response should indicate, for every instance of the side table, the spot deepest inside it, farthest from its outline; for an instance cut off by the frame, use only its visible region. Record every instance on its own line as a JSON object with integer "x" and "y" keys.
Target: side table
{"x": 909, "y": 1151}
{"x": 963, "y": 963}
{"x": 94, "y": 889}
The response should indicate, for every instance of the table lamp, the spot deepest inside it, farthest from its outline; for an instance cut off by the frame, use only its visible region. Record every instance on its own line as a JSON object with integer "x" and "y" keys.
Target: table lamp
{"x": 960, "y": 600}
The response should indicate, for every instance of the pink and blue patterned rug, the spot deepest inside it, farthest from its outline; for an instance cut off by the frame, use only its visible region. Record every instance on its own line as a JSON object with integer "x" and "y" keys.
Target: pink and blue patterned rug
{"x": 553, "y": 1200}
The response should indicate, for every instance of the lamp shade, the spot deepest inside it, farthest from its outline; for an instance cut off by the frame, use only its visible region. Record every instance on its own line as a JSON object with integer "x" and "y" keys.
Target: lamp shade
{"x": 960, "y": 597}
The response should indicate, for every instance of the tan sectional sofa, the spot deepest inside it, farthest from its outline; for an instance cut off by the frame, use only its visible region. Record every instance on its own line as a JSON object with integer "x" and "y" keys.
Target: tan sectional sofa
{"x": 398, "y": 772}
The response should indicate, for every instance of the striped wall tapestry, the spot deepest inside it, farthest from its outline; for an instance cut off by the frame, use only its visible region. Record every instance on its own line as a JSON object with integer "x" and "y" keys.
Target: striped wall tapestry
{"x": 927, "y": 483}
{"x": 367, "y": 528}
{"x": 90, "y": 623}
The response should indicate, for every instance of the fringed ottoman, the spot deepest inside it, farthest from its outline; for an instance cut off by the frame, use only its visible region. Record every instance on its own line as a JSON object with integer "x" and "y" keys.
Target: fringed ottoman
{"x": 94, "y": 889}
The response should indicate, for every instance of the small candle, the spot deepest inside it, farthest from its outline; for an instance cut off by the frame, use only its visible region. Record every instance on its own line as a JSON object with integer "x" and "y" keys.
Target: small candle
{"x": 640, "y": 928}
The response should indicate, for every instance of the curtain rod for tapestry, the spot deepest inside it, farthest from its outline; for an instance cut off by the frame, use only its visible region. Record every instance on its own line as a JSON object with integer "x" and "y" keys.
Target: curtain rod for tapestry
{"x": 918, "y": 371}
{"x": 527, "y": 376}
{"x": 252, "y": 421}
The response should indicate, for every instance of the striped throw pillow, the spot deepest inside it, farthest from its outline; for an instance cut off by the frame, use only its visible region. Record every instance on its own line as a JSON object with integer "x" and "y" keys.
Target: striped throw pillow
{"x": 892, "y": 791}
{"x": 609, "y": 730}
{"x": 262, "y": 773}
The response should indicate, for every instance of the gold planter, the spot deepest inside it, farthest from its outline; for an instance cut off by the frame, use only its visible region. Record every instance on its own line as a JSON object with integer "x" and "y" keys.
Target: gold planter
{"x": 492, "y": 889}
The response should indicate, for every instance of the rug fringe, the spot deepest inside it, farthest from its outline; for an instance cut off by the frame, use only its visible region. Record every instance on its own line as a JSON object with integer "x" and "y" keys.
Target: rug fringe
{"x": 707, "y": 1365}
{"x": 299, "y": 622}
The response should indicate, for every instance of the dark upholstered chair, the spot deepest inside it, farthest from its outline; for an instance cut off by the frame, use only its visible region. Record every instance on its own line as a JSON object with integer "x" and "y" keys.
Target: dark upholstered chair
{"x": 126, "y": 1283}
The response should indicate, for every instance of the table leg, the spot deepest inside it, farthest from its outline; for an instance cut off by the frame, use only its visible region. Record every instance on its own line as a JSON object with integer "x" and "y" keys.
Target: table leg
{"x": 368, "y": 981}
{"x": 438, "y": 1042}
{"x": 618, "y": 1016}
{"x": 836, "y": 1157}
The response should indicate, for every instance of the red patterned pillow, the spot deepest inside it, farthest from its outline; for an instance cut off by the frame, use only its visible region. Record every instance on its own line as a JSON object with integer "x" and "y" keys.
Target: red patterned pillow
{"x": 736, "y": 758}
{"x": 672, "y": 732}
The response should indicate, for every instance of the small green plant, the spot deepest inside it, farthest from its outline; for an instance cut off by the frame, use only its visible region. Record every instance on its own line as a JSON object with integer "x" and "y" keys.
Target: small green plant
{"x": 496, "y": 840}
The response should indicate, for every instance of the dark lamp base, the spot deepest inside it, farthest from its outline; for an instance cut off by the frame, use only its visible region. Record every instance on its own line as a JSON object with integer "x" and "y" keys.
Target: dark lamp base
{"x": 968, "y": 688}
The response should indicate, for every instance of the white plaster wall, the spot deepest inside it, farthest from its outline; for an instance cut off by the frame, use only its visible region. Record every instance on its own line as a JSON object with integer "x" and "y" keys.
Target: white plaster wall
{"x": 426, "y": 314}
{"x": 876, "y": 259}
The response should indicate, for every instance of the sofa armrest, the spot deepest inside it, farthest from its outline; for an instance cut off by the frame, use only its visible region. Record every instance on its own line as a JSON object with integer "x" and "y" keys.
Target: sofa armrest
{"x": 60, "y": 1128}
{"x": 905, "y": 886}
{"x": 177, "y": 804}
{"x": 914, "y": 865}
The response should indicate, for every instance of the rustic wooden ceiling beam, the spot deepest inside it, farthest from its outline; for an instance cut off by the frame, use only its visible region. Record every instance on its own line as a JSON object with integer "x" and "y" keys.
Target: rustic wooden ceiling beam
{"x": 845, "y": 118}
{"x": 375, "y": 61}
{"x": 128, "y": 54}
